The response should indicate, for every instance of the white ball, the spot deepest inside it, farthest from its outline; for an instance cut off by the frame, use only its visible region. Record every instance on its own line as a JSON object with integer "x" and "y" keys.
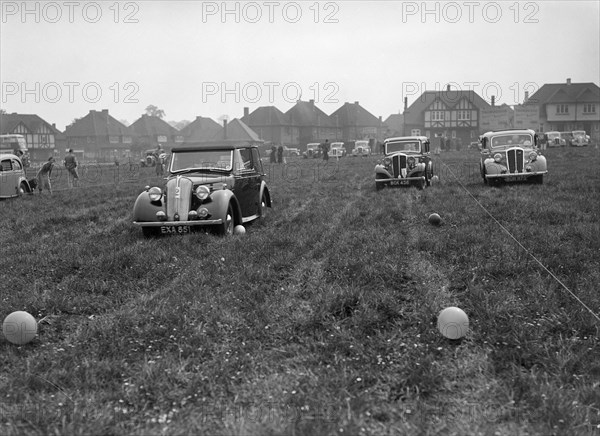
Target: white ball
{"x": 453, "y": 323}
{"x": 239, "y": 230}
{"x": 435, "y": 219}
{"x": 435, "y": 180}
{"x": 19, "y": 327}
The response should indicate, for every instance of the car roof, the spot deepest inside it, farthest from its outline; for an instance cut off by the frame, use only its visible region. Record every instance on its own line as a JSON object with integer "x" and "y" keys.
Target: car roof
{"x": 509, "y": 131}
{"x": 214, "y": 146}
{"x": 407, "y": 138}
{"x": 9, "y": 155}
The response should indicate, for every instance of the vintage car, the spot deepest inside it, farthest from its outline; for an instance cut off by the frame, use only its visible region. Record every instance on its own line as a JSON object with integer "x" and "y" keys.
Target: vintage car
{"x": 555, "y": 139}
{"x": 579, "y": 138}
{"x": 212, "y": 187}
{"x": 511, "y": 156}
{"x": 290, "y": 152}
{"x": 406, "y": 162}
{"x": 361, "y": 148}
{"x": 13, "y": 180}
{"x": 313, "y": 149}
{"x": 337, "y": 149}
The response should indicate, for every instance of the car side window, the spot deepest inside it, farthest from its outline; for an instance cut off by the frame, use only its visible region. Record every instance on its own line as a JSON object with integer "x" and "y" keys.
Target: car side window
{"x": 256, "y": 162}
{"x": 6, "y": 165}
{"x": 246, "y": 155}
{"x": 16, "y": 165}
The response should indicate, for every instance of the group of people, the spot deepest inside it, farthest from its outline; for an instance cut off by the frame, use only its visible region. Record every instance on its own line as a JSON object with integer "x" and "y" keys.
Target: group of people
{"x": 276, "y": 155}
{"x": 42, "y": 177}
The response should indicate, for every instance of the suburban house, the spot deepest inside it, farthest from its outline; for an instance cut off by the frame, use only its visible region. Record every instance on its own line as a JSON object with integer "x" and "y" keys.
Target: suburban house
{"x": 100, "y": 137}
{"x": 313, "y": 124}
{"x": 450, "y": 113}
{"x": 354, "y": 123}
{"x": 151, "y": 131}
{"x": 43, "y": 139}
{"x": 568, "y": 106}
{"x": 271, "y": 125}
{"x": 394, "y": 125}
{"x": 202, "y": 129}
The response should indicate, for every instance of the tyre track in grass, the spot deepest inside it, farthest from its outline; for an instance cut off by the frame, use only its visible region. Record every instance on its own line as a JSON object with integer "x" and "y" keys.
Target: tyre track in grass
{"x": 466, "y": 402}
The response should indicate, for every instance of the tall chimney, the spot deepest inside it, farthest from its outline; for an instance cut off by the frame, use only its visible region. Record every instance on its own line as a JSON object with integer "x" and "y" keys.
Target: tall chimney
{"x": 224, "y": 129}
{"x": 448, "y": 88}
{"x": 312, "y": 102}
{"x": 526, "y": 97}
{"x": 246, "y": 111}
{"x": 405, "y": 103}
{"x": 356, "y": 103}
{"x": 569, "y": 81}
{"x": 493, "y": 100}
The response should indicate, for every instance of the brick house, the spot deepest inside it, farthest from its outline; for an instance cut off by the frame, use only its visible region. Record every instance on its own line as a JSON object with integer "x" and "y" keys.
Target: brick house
{"x": 43, "y": 139}
{"x": 355, "y": 122}
{"x": 151, "y": 131}
{"x": 312, "y": 123}
{"x": 100, "y": 137}
{"x": 568, "y": 106}
{"x": 271, "y": 125}
{"x": 202, "y": 129}
{"x": 451, "y": 113}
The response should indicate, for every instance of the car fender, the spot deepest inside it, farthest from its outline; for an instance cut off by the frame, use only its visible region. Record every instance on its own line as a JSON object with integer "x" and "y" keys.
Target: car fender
{"x": 492, "y": 168}
{"x": 144, "y": 209}
{"x": 539, "y": 164}
{"x": 380, "y": 169}
{"x": 219, "y": 203}
{"x": 265, "y": 190}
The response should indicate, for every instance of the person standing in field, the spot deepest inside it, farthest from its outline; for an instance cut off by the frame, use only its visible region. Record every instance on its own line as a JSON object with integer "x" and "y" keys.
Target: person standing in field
{"x": 43, "y": 175}
{"x": 71, "y": 166}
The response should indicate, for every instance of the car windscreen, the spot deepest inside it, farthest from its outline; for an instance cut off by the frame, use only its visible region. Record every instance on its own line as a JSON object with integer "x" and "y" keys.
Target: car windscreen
{"x": 395, "y": 147}
{"x": 220, "y": 160}
{"x": 520, "y": 140}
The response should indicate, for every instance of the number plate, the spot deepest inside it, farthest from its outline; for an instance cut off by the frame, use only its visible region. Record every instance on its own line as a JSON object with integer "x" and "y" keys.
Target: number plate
{"x": 517, "y": 178}
{"x": 400, "y": 182}
{"x": 174, "y": 230}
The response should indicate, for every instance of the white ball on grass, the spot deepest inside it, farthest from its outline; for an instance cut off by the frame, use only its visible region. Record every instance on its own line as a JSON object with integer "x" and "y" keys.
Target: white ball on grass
{"x": 239, "y": 230}
{"x": 19, "y": 327}
{"x": 453, "y": 323}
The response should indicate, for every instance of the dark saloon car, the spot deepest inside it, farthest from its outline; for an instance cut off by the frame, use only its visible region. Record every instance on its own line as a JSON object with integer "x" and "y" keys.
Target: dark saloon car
{"x": 211, "y": 187}
{"x": 407, "y": 162}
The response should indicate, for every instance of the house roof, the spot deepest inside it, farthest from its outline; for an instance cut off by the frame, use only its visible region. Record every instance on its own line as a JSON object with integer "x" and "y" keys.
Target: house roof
{"x": 395, "y": 122}
{"x": 237, "y": 130}
{"x": 9, "y": 122}
{"x": 148, "y": 125}
{"x": 265, "y": 116}
{"x": 98, "y": 123}
{"x": 353, "y": 114}
{"x": 450, "y": 98}
{"x": 306, "y": 114}
{"x": 566, "y": 93}
{"x": 201, "y": 129}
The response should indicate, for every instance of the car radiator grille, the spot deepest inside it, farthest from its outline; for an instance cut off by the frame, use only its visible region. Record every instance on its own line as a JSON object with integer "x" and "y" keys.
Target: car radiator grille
{"x": 514, "y": 158}
{"x": 179, "y": 193}
{"x": 399, "y": 164}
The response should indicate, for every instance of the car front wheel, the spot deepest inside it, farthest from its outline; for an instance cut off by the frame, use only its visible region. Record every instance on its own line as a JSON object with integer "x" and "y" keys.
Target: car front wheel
{"x": 226, "y": 229}
{"x": 263, "y": 206}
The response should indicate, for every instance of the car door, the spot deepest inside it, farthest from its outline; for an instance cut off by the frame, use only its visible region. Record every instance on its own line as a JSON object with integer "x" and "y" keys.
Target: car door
{"x": 8, "y": 179}
{"x": 247, "y": 181}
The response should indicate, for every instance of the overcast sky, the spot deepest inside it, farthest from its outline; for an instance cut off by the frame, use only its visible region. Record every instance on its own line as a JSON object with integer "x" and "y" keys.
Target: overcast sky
{"x": 194, "y": 58}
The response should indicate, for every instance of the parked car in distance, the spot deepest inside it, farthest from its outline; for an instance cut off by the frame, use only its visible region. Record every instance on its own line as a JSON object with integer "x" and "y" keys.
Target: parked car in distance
{"x": 211, "y": 187}
{"x": 313, "y": 150}
{"x": 361, "y": 148}
{"x": 406, "y": 162}
{"x": 579, "y": 138}
{"x": 511, "y": 156}
{"x": 555, "y": 139}
{"x": 13, "y": 180}
{"x": 337, "y": 149}
{"x": 291, "y": 152}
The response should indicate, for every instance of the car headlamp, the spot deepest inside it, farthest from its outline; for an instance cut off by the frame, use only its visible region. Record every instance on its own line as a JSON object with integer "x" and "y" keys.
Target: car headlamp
{"x": 533, "y": 156}
{"x": 155, "y": 193}
{"x": 202, "y": 192}
{"x": 497, "y": 158}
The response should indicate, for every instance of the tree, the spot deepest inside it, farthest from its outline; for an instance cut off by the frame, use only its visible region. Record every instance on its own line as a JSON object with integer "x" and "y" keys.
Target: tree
{"x": 154, "y": 111}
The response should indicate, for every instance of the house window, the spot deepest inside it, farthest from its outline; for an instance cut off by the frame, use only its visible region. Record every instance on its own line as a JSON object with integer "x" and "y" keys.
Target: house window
{"x": 589, "y": 108}
{"x": 415, "y": 132}
{"x": 562, "y": 108}
{"x": 113, "y": 139}
{"x": 464, "y": 115}
{"x": 437, "y": 116}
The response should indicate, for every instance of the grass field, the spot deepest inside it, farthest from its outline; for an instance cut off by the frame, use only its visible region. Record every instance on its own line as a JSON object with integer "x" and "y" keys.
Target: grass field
{"x": 321, "y": 319}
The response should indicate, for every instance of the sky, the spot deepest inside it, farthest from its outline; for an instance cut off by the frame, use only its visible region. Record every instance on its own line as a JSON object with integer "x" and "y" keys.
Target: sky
{"x": 60, "y": 60}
